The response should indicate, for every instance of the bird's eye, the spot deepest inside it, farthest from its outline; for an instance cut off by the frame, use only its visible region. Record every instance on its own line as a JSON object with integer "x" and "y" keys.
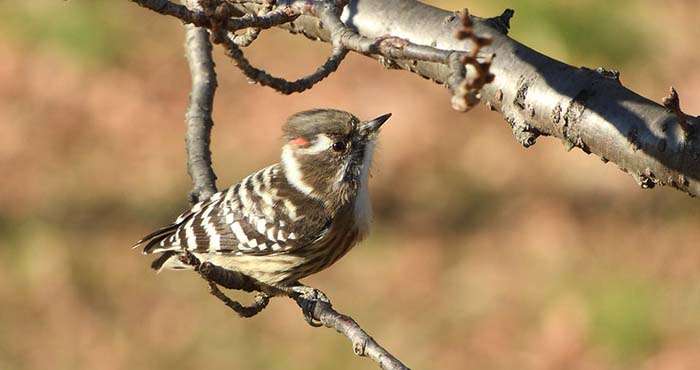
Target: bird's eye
{"x": 339, "y": 146}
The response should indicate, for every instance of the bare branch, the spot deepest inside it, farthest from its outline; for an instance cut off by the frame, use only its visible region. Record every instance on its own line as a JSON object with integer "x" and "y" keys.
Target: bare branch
{"x": 586, "y": 108}
{"x": 251, "y": 34}
{"x": 388, "y": 48}
{"x": 280, "y": 84}
{"x": 200, "y": 19}
{"x": 166, "y": 7}
{"x": 220, "y": 13}
{"x": 362, "y": 343}
{"x": 315, "y": 308}
{"x": 247, "y": 38}
{"x": 198, "y": 119}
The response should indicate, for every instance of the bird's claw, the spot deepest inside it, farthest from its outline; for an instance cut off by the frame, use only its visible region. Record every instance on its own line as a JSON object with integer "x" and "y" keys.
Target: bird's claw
{"x": 307, "y": 298}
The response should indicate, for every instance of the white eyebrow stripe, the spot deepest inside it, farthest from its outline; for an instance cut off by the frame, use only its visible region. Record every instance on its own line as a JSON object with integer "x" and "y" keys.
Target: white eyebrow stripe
{"x": 322, "y": 143}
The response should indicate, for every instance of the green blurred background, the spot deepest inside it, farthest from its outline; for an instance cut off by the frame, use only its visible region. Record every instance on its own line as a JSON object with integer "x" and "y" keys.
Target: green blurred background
{"x": 484, "y": 255}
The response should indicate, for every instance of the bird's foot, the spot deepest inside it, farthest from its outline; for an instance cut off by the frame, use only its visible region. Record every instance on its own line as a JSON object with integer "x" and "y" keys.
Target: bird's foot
{"x": 307, "y": 298}
{"x": 215, "y": 276}
{"x": 189, "y": 259}
{"x": 259, "y": 303}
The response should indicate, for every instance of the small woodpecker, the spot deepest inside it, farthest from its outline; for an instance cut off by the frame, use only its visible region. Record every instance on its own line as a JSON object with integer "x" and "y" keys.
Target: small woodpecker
{"x": 288, "y": 220}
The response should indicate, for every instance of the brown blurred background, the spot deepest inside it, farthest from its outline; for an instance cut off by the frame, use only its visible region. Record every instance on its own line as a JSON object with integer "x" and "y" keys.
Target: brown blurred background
{"x": 484, "y": 255}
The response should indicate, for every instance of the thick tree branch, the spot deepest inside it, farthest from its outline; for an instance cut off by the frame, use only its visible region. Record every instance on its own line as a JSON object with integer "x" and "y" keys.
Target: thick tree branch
{"x": 539, "y": 96}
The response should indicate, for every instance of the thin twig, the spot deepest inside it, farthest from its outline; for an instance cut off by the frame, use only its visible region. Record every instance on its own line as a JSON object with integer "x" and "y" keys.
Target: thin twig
{"x": 220, "y": 16}
{"x": 280, "y": 84}
{"x": 362, "y": 343}
{"x": 251, "y": 34}
{"x": 200, "y": 19}
{"x": 172, "y": 9}
{"x": 219, "y": 20}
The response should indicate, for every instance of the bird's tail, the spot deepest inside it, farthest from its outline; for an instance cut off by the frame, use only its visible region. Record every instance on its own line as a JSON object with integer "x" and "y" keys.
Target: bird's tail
{"x": 161, "y": 242}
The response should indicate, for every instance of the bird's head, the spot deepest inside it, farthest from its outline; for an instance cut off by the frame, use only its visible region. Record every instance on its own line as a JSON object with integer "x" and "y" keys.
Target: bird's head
{"x": 328, "y": 152}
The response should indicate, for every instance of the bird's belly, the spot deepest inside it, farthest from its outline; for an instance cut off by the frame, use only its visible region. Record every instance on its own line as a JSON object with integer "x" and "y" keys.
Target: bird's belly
{"x": 272, "y": 270}
{"x": 286, "y": 268}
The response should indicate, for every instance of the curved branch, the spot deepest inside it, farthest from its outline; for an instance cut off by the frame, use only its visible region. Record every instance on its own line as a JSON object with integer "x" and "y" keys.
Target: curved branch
{"x": 280, "y": 84}
{"x": 198, "y": 50}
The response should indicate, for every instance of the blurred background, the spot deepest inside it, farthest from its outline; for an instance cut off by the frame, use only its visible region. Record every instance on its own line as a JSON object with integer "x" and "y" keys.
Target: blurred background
{"x": 484, "y": 255}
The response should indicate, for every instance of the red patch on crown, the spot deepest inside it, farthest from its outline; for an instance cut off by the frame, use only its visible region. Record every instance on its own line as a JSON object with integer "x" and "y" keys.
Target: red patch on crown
{"x": 300, "y": 141}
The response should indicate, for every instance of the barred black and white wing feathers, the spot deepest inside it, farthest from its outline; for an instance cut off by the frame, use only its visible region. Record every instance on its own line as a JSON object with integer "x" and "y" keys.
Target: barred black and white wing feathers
{"x": 262, "y": 215}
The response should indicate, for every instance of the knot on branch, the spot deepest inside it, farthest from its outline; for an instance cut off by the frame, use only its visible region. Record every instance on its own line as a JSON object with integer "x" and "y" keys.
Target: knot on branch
{"x": 389, "y": 46}
{"x": 502, "y": 22}
{"x": 610, "y": 74}
{"x": 673, "y": 104}
{"x": 525, "y": 133}
{"x": 646, "y": 179}
{"x": 358, "y": 347}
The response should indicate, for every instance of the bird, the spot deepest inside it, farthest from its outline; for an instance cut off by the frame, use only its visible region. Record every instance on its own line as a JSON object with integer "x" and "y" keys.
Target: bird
{"x": 288, "y": 220}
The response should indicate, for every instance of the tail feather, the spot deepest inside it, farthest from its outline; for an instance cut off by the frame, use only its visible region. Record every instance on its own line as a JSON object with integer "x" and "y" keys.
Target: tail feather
{"x": 157, "y": 242}
{"x": 163, "y": 231}
{"x": 154, "y": 244}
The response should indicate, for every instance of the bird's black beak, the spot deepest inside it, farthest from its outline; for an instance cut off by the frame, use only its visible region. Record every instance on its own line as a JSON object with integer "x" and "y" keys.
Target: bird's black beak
{"x": 371, "y": 127}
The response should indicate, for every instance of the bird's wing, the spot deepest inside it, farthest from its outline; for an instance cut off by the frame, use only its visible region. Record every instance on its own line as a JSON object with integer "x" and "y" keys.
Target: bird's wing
{"x": 249, "y": 218}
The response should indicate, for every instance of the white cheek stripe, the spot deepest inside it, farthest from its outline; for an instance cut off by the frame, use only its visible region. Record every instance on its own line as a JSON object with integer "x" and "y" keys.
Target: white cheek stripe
{"x": 292, "y": 170}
